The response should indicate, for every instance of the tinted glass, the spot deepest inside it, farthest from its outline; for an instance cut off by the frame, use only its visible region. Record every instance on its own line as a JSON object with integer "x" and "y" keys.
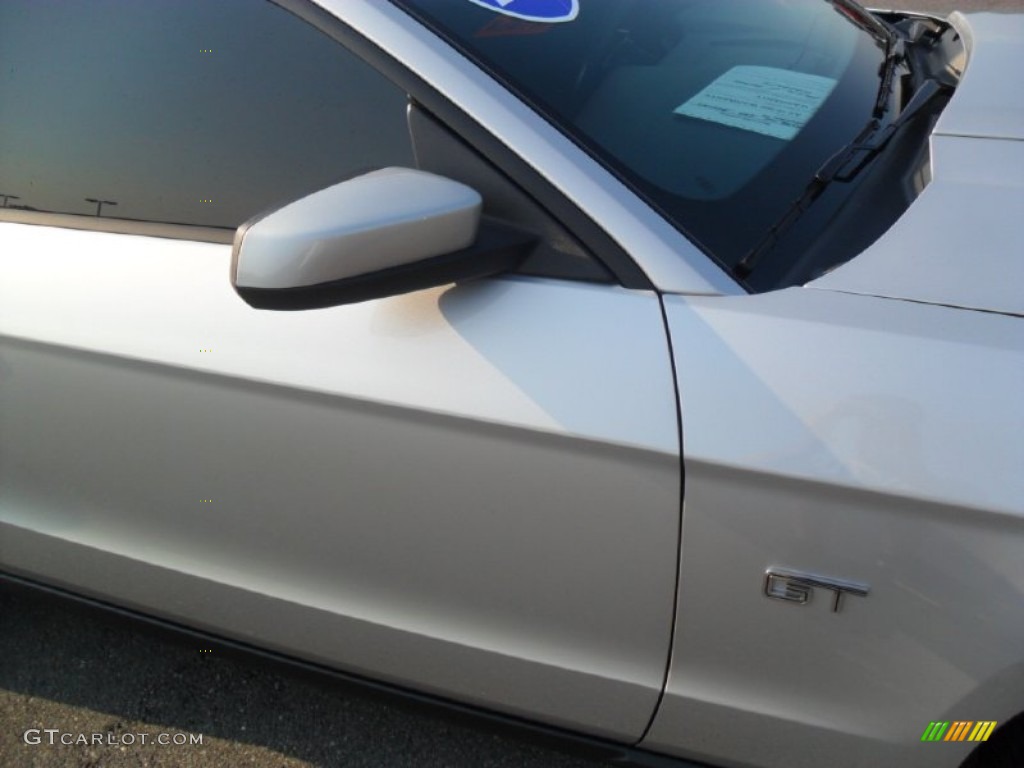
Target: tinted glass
{"x": 182, "y": 111}
{"x": 718, "y": 112}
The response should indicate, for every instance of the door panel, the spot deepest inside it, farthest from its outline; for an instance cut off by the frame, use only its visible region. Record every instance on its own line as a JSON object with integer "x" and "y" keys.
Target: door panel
{"x": 472, "y": 490}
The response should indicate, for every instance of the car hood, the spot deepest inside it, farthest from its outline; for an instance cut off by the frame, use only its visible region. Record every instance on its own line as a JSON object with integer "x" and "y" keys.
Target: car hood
{"x": 961, "y": 242}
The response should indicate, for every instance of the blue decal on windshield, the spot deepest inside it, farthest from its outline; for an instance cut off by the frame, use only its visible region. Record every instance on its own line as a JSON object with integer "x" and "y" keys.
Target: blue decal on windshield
{"x": 549, "y": 11}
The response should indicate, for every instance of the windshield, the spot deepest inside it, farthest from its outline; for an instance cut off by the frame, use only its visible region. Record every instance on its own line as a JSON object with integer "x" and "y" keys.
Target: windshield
{"x": 717, "y": 112}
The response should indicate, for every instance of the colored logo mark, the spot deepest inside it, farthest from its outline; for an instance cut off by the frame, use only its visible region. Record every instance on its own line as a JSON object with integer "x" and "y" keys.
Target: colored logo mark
{"x": 548, "y": 11}
{"x": 959, "y": 730}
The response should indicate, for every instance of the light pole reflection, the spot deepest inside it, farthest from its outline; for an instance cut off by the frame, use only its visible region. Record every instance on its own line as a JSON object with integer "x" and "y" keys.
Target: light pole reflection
{"x": 99, "y": 204}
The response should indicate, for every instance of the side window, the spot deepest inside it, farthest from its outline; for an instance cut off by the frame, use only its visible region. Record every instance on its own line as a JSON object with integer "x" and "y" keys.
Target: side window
{"x": 201, "y": 112}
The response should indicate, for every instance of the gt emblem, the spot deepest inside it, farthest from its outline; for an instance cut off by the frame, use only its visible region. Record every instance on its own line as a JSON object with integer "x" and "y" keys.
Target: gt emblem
{"x": 797, "y": 587}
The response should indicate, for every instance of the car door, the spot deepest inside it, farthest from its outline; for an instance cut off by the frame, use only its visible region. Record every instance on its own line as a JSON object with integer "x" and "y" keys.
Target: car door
{"x": 472, "y": 490}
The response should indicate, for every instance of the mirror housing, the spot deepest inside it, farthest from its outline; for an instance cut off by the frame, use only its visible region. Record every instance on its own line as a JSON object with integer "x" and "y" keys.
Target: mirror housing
{"x": 381, "y": 234}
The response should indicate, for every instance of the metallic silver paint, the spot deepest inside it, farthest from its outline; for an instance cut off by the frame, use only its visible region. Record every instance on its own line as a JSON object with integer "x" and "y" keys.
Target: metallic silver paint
{"x": 861, "y": 436}
{"x": 472, "y": 490}
{"x": 988, "y": 102}
{"x": 959, "y": 243}
{"x": 382, "y": 219}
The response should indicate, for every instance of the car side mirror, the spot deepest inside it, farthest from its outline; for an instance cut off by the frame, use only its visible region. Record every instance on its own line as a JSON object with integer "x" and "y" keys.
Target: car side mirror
{"x": 381, "y": 234}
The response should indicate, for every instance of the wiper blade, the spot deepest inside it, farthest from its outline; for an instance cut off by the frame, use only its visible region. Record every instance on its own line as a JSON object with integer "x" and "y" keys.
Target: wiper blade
{"x": 868, "y": 143}
{"x": 844, "y": 165}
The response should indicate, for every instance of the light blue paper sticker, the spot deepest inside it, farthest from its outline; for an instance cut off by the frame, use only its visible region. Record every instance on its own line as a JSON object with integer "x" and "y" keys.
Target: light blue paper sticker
{"x": 548, "y": 11}
{"x": 766, "y": 100}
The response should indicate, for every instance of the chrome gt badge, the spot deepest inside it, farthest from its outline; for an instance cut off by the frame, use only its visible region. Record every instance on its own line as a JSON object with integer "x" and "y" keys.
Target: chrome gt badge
{"x": 797, "y": 587}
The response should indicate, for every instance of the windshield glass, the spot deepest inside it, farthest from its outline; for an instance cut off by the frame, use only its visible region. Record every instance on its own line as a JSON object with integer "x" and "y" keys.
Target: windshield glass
{"x": 717, "y": 112}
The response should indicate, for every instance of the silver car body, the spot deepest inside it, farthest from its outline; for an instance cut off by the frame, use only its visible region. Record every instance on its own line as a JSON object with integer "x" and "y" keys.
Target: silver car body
{"x": 475, "y": 491}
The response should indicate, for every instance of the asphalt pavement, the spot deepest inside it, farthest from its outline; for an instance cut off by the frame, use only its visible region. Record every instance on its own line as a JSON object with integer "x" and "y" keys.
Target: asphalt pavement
{"x": 67, "y": 673}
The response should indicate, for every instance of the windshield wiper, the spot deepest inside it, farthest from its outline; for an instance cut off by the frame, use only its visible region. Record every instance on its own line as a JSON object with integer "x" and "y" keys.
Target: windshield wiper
{"x": 881, "y": 30}
{"x": 842, "y": 166}
{"x": 845, "y": 164}
{"x": 890, "y": 38}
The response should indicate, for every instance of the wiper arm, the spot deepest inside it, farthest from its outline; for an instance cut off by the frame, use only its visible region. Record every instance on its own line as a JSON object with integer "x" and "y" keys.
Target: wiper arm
{"x": 842, "y": 166}
{"x": 881, "y": 30}
{"x": 850, "y": 159}
{"x": 890, "y": 38}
